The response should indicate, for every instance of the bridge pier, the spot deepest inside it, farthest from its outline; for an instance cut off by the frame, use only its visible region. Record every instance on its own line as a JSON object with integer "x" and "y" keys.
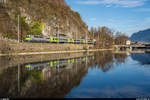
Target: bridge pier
{"x": 131, "y": 48}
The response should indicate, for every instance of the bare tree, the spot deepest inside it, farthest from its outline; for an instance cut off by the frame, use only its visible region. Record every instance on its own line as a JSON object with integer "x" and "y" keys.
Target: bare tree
{"x": 120, "y": 38}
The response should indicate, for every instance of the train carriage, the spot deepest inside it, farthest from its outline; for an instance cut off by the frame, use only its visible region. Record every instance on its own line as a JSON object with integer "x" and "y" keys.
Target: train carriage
{"x": 38, "y": 38}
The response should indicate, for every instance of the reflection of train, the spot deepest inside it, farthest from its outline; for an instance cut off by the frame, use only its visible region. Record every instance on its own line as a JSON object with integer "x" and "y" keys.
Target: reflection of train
{"x": 38, "y": 38}
{"x": 55, "y": 63}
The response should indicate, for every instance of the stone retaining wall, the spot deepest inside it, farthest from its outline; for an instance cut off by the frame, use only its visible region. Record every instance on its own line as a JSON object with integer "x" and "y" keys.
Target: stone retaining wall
{"x": 14, "y": 47}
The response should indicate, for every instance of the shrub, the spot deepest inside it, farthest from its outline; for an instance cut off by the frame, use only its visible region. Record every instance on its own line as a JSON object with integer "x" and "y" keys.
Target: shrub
{"x": 22, "y": 23}
{"x": 36, "y": 28}
{"x": 78, "y": 15}
{"x": 5, "y": 35}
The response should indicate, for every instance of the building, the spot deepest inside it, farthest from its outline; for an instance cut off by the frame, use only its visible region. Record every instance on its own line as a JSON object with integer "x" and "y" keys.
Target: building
{"x": 128, "y": 42}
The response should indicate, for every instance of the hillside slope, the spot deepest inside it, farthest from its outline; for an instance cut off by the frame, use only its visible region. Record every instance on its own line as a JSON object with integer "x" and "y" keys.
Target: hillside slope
{"x": 141, "y": 36}
{"x": 53, "y": 16}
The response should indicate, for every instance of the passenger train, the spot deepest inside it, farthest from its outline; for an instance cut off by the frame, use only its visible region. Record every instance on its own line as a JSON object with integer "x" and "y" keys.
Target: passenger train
{"x": 38, "y": 38}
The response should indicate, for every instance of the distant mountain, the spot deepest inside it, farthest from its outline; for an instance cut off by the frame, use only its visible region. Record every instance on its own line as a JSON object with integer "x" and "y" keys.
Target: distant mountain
{"x": 143, "y": 36}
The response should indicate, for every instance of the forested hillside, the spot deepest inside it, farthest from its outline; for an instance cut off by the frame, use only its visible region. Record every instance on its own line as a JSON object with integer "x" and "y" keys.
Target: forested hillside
{"x": 40, "y": 17}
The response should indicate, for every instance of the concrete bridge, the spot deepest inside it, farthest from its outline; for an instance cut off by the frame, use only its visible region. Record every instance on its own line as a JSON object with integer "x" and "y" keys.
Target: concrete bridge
{"x": 132, "y": 47}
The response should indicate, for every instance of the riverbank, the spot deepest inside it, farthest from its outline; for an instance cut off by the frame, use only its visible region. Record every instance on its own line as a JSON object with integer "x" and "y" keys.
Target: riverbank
{"x": 54, "y": 52}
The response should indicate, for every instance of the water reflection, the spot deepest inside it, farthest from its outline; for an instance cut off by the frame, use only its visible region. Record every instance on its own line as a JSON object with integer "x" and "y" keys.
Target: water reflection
{"x": 105, "y": 60}
{"x": 98, "y": 74}
{"x": 124, "y": 78}
{"x": 142, "y": 58}
{"x": 52, "y": 78}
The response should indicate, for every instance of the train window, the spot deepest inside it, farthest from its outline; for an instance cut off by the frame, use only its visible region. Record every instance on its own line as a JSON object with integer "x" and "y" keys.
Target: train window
{"x": 38, "y": 36}
{"x": 56, "y": 38}
{"x": 77, "y": 41}
{"x": 27, "y": 36}
{"x": 47, "y": 37}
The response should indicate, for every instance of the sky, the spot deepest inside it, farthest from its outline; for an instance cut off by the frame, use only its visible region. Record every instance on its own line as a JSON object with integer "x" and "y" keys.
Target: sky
{"x": 127, "y": 16}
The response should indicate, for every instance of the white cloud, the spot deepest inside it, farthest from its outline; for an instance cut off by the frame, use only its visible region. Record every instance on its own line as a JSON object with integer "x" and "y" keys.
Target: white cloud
{"x": 122, "y": 3}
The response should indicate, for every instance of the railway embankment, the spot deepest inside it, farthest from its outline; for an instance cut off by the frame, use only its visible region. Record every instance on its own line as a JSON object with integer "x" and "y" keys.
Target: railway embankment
{"x": 9, "y": 47}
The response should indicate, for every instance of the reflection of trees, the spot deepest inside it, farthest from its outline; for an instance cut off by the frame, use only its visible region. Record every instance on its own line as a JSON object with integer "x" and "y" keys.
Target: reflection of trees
{"x": 120, "y": 58}
{"x": 104, "y": 60}
{"x": 8, "y": 83}
{"x": 4, "y": 62}
{"x": 59, "y": 83}
{"x": 46, "y": 83}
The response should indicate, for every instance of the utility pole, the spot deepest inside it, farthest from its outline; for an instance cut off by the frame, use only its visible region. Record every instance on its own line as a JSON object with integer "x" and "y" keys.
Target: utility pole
{"x": 76, "y": 37}
{"x": 57, "y": 34}
{"x": 18, "y": 27}
{"x": 86, "y": 38}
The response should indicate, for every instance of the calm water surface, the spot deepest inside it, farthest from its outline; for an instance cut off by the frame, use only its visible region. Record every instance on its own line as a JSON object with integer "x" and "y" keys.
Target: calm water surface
{"x": 95, "y": 75}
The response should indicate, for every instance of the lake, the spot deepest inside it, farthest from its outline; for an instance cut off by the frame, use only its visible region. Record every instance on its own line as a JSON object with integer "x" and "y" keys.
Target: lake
{"x": 76, "y": 75}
